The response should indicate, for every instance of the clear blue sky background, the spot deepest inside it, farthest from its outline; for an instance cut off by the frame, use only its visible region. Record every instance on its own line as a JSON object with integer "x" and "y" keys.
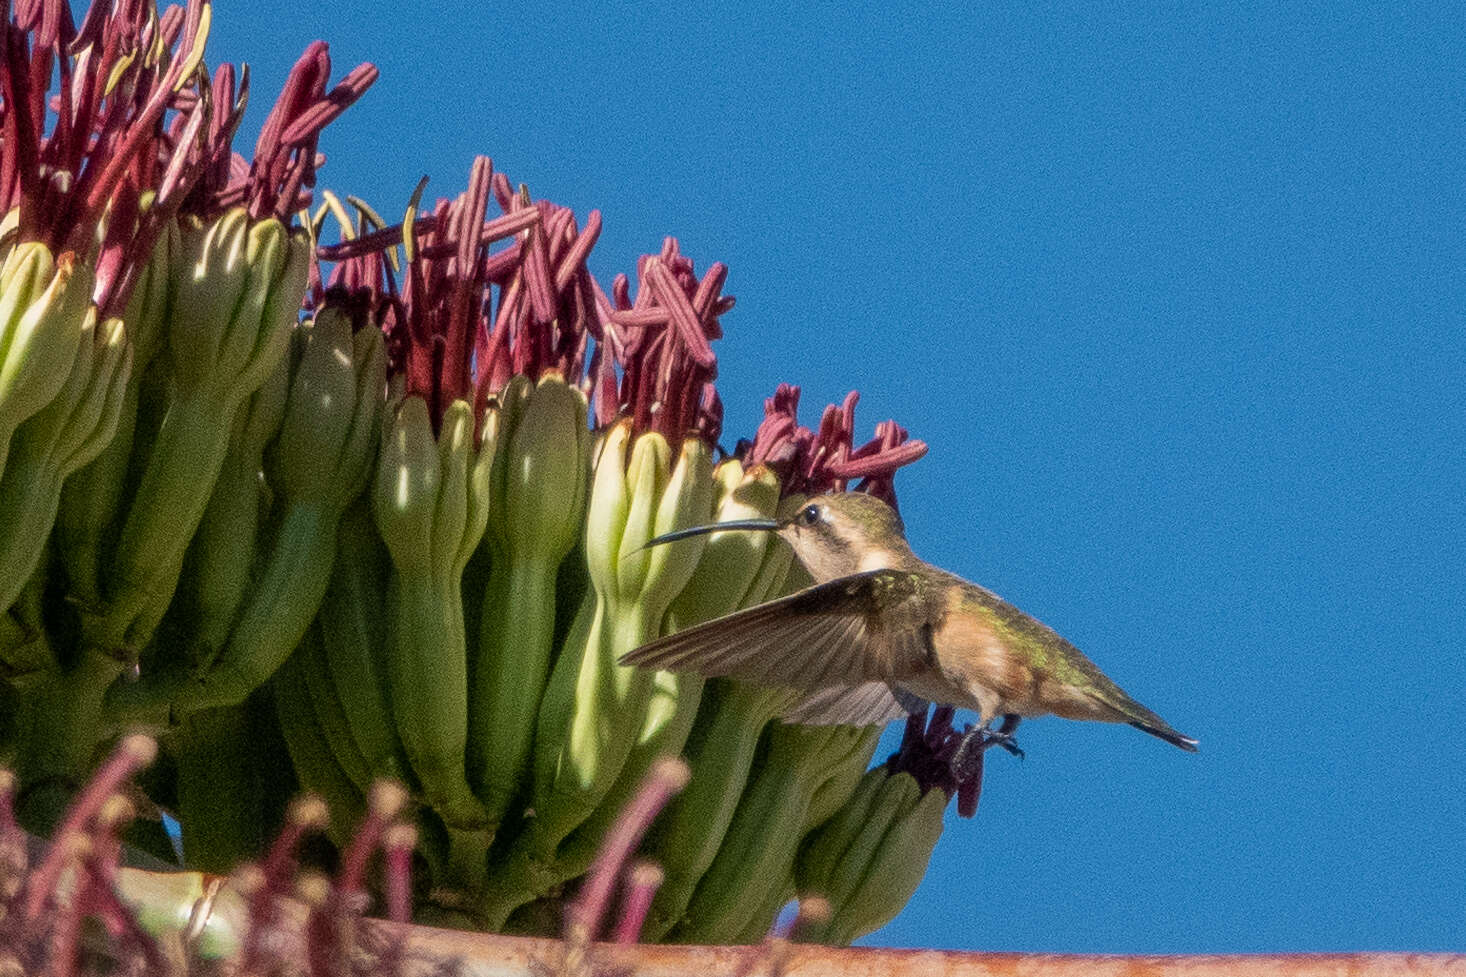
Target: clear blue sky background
{"x": 1175, "y": 293}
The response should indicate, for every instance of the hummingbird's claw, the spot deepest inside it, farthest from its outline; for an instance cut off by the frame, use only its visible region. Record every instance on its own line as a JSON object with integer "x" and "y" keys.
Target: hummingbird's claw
{"x": 1003, "y": 735}
{"x": 1006, "y": 743}
{"x": 978, "y": 739}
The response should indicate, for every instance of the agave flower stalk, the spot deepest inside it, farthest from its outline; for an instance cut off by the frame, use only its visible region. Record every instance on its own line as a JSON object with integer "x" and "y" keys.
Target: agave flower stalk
{"x": 91, "y": 498}
{"x": 78, "y": 192}
{"x": 103, "y": 183}
{"x": 222, "y": 555}
{"x": 318, "y": 463}
{"x": 736, "y": 570}
{"x": 431, "y": 500}
{"x": 43, "y": 311}
{"x": 233, "y": 303}
{"x": 652, "y": 472}
{"x": 538, "y": 504}
{"x": 513, "y": 369}
{"x": 541, "y": 483}
{"x": 326, "y": 410}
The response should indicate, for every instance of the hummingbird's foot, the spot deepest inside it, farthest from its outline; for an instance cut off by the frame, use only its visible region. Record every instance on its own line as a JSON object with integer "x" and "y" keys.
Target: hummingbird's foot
{"x": 1002, "y": 737}
{"x": 977, "y": 740}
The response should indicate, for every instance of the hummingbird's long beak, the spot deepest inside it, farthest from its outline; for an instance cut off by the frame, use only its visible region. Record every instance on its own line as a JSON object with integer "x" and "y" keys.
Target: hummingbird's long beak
{"x": 752, "y": 525}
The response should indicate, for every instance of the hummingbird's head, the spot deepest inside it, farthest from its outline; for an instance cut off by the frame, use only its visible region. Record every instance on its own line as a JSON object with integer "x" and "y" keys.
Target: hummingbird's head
{"x": 841, "y": 533}
{"x": 833, "y": 535}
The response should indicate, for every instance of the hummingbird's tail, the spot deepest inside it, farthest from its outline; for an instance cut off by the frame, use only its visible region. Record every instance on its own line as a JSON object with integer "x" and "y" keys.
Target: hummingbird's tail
{"x": 1115, "y": 705}
{"x": 1158, "y": 727}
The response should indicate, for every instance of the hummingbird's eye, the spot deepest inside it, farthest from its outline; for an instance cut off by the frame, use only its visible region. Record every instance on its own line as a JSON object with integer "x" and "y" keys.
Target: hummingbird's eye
{"x": 808, "y": 516}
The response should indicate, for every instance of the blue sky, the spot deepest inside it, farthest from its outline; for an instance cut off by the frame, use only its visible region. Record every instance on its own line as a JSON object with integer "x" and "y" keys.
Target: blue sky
{"x": 1175, "y": 293}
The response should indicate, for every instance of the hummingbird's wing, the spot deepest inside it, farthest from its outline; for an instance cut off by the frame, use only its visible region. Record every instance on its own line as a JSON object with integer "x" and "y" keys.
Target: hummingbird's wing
{"x": 872, "y": 626}
{"x": 860, "y": 705}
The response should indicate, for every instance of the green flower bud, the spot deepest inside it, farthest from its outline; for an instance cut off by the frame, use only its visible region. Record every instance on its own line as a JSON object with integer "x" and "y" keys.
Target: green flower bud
{"x": 43, "y": 306}
{"x": 61, "y": 437}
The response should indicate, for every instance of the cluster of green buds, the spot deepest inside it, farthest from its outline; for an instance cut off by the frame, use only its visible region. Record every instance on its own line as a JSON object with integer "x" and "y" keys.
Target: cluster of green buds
{"x": 405, "y": 534}
{"x": 867, "y": 858}
{"x": 151, "y": 288}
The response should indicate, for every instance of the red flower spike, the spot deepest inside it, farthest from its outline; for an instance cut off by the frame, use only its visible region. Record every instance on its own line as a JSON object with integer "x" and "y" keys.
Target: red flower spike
{"x": 669, "y": 294}
{"x": 384, "y": 804}
{"x": 573, "y": 261}
{"x": 583, "y": 917}
{"x": 642, "y": 882}
{"x": 100, "y": 899}
{"x": 537, "y": 275}
{"x": 130, "y": 756}
{"x": 134, "y": 113}
{"x": 809, "y": 463}
{"x": 399, "y": 842}
{"x": 449, "y": 336}
{"x": 306, "y": 816}
{"x": 928, "y": 751}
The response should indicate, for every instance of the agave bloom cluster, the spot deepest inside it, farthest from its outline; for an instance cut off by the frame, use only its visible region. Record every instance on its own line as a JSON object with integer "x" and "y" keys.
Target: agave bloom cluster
{"x": 317, "y": 515}
{"x": 153, "y": 281}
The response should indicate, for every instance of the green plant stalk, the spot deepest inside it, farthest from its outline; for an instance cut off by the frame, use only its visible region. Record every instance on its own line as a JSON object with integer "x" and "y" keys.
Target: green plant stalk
{"x": 221, "y": 557}
{"x": 602, "y": 744}
{"x": 430, "y": 501}
{"x": 719, "y": 582}
{"x": 89, "y": 502}
{"x": 603, "y": 715}
{"x": 670, "y": 727}
{"x": 514, "y": 663}
{"x": 310, "y": 668}
{"x": 528, "y": 868}
{"x": 235, "y": 297}
{"x": 893, "y": 870}
{"x": 270, "y": 625}
{"x": 218, "y": 789}
{"x": 42, "y": 307}
{"x": 279, "y": 610}
{"x": 720, "y": 751}
{"x": 53, "y": 443}
{"x": 579, "y": 766}
{"x": 315, "y": 766}
{"x": 86, "y": 526}
{"x": 428, "y": 678}
{"x": 31, "y": 489}
{"x": 897, "y": 797}
{"x": 758, "y": 850}
{"x": 841, "y": 778}
{"x": 431, "y": 707}
{"x": 353, "y": 624}
{"x": 540, "y": 486}
{"x": 729, "y": 566}
{"x": 825, "y": 847}
{"x": 166, "y": 510}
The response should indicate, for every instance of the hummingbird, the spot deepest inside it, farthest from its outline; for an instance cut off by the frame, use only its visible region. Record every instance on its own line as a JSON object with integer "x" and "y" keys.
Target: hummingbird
{"x": 881, "y": 634}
